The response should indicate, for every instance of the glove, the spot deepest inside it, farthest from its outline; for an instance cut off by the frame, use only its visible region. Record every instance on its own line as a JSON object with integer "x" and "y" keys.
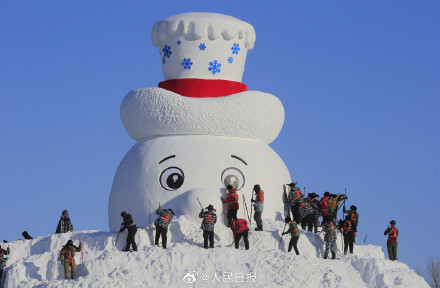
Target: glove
{"x": 252, "y": 200}
{"x": 355, "y": 234}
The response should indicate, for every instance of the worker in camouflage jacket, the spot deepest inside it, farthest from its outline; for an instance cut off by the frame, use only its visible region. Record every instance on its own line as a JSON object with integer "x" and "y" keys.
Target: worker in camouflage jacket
{"x": 209, "y": 220}
{"x": 64, "y": 225}
{"x": 67, "y": 257}
{"x": 309, "y": 211}
{"x": 161, "y": 223}
{"x": 295, "y": 198}
{"x": 330, "y": 237}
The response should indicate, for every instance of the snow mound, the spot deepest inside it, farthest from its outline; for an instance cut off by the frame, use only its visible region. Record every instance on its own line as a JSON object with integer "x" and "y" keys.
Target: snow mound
{"x": 35, "y": 263}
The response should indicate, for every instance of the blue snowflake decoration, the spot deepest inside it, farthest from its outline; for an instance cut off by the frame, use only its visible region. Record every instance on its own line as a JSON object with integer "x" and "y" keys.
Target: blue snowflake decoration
{"x": 202, "y": 46}
{"x": 186, "y": 63}
{"x": 214, "y": 67}
{"x": 167, "y": 51}
{"x": 235, "y": 48}
{"x": 230, "y": 60}
{"x": 179, "y": 42}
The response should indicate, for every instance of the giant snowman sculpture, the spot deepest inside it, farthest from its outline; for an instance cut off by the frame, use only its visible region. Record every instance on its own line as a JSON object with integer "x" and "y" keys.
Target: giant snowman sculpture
{"x": 200, "y": 130}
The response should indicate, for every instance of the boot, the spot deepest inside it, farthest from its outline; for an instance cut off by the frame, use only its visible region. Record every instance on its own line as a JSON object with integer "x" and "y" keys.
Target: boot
{"x": 325, "y": 255}
{"x": 333, "y": 255}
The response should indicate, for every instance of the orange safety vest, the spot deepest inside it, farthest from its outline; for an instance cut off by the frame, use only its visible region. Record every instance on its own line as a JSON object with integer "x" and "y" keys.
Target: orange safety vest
{"x": 3, "y": 254}
{"x": 349, "y": 228}
{"x": 208, "y": 218}
{"x": 167, "y": 218}
{"x": 353, "y": 216}
{"x": 293, "y": 222}
{"x": 393, "y": 234}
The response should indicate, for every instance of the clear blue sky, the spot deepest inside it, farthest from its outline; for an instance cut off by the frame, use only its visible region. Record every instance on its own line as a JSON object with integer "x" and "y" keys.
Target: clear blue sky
{"x": 359, "y": 81}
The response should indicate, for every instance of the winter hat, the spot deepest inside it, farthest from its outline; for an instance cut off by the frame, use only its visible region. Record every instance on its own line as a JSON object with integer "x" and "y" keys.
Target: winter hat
{"x": 69, "y": 243}
{"x": 203, "y": 57}
{"x": 313, "y": 195}
{"x": 393, "y": 222}
{"x": 171, "y": 211}
{"x": 124, "y": 214}
{"x": 326, "y": 194}
{"x": 229, "y": 187}
{"x": 64, "y": 213}
{"x": 292, "y": 184}
{"x": 257, "y": 188}
{"x": 354, "y": 208}
{"x": 210, "y": 208}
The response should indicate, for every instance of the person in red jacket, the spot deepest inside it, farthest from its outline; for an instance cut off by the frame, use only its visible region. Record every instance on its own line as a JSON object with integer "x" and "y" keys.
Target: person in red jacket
{"x": 259, "y": 206}
{"x": 392, "y": 232}
{"x": 240, "y": 229}
{"x": 232, "y": 201}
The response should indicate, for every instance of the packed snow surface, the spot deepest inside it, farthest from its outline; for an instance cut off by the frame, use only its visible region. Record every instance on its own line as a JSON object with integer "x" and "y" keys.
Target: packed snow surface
{"x": 35, "y": 263}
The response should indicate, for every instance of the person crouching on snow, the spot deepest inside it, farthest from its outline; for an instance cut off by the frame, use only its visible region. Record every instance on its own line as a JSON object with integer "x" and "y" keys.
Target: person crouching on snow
{"x": 330, "y": 237}
{"x": 67, "y": 257}
{"x": 294, "y": 230}
{"x": 240, "y": 229}
{"x": 209, "y": 220}
{"x": 161, "y": 223}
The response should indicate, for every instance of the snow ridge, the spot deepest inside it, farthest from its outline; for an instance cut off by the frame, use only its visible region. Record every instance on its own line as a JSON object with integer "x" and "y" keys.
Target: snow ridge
{"x": 35, "y": 263}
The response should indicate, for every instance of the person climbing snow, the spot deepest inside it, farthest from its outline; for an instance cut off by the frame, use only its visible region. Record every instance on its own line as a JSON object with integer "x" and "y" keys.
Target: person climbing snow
{"x": 392, "y": 233}
{"x": 333, "y": 205}
{"x": 294, "y": 233}
{"x": 209, "y": 220}
{"x": 232, "y": 201}
{"x": 309, "y": 211}
{"x": 348, "y": 229}
{"x": 67, "y": 257}
{"x": 329, "y": 237}
{"x": 258, "y": 206}
{"x": 240, "y": 229}
{"x": 161, "y": 223}
{"x": 353, "y": 214}
{"x": 129, "y": 224}
{"x": 295, "y": 198}
{"x": 3, "y": 260}
{"x": 64, "y": 225}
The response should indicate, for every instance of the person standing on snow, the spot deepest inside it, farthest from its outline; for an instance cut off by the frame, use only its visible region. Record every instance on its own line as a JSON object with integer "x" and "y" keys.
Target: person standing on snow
{"x": 130, "y": 225}
{"x": 295, "y": 198}
{"x": 349, "y": 231}
{"x": 232, "y": 201}
{"x": 161, "y": 223}
{"x": 67, "y": 258}
{"x": 330, "y": 237}
{"x": 259, "y": 206}
{"x": 3, "y": 260}
{"x": 393, "y": 233}
{"x": 333, "y": 205}
{"x": 294, "y": 233}
{"x": 240, "y": 229}
{"x": 209, "y": 220}
{"x": 64, "y": 225}
{"x": 353, "y": 214}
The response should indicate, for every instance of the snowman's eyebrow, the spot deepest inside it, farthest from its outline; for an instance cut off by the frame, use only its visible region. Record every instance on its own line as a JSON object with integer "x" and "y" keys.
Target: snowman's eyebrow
{"x": 166, "y": 158}
{"x": 238, "y": 158}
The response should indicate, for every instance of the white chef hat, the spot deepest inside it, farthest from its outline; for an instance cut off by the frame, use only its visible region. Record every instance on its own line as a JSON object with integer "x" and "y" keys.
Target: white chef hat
{"x": 203, "y": 57}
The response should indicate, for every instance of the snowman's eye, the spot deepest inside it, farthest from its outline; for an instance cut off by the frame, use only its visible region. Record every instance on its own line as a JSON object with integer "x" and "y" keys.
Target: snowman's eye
{"x": 171, "y": 178}
{"x": 232, "y": 176}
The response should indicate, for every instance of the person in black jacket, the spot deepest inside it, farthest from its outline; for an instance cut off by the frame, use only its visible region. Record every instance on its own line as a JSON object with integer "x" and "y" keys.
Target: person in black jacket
{"x": 64, "y": 225}
{"x": 130, "y": 225}
{"x": 349, "y": 232}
